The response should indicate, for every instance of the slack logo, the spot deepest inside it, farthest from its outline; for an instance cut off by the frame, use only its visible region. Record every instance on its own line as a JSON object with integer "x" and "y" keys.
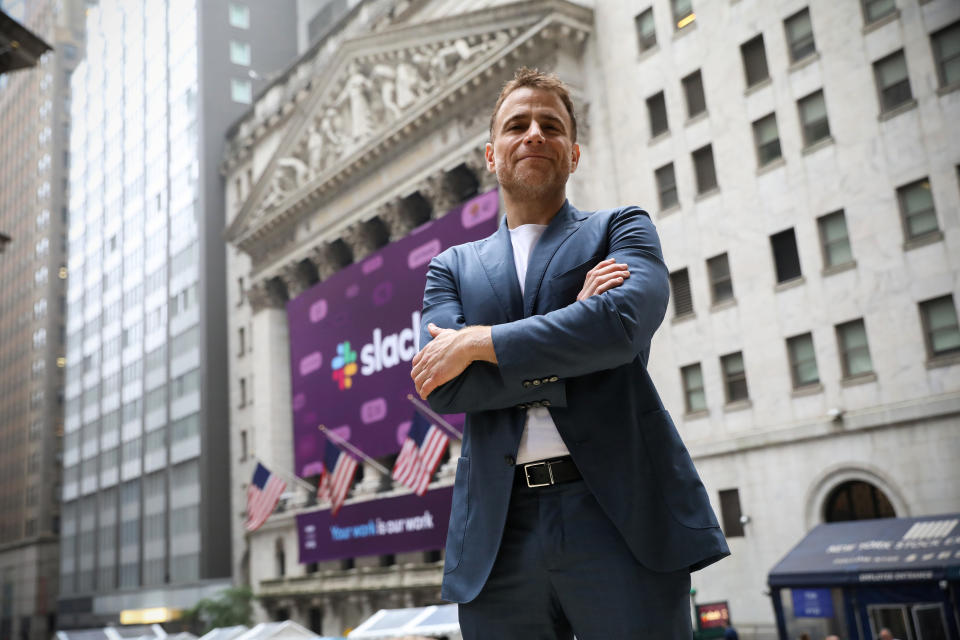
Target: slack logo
{"x": 344, "y": 365}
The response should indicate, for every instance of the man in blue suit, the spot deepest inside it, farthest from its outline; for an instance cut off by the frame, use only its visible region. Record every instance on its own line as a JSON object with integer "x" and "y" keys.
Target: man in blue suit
{"x": 576, "y": 506}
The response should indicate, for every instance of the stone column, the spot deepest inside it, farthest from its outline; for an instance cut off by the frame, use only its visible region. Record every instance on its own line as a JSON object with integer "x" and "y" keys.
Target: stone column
{"x": 437, "y": 192}
{"x": 325, "y": 260}
{"x": 399, "y": 222}
{"x": 271, "y": 412}
{"x": 476, "y": 161}
{"x": 293, "y": 277}
{"x": 362, "y": 240}
{"x": 262, "y": 295}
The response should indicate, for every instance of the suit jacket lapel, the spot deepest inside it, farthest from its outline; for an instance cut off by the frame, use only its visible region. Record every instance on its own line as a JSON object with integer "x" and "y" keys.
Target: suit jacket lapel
{"x": 496, "y": 257}
{"x": 563, "y": 224}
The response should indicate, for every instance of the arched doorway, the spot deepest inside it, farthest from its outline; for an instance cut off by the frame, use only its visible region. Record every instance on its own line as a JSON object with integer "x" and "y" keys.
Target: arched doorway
{"x": 856, "y": 500}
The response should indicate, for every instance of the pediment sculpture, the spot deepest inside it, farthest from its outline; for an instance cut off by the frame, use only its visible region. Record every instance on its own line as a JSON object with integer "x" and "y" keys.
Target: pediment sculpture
{"x": 374, "y": 93}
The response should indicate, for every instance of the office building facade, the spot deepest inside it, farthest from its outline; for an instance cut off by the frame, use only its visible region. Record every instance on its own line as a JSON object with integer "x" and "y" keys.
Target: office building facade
{"x": 145, "y": 444}
{"x": 34, "y": 160}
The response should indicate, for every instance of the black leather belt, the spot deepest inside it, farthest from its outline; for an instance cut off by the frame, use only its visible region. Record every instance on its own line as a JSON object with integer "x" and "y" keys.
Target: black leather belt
{"x": 543, "y": 473}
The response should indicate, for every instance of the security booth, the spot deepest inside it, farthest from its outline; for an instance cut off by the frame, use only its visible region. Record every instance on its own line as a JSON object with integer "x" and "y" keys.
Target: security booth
{"x": 854, "y": 578}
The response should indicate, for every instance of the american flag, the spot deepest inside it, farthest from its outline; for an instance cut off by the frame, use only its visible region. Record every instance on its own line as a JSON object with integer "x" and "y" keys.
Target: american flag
{"x": 339, "y": 469}
{"x": 420, "y": 454}
{"x": 262, "y": 496}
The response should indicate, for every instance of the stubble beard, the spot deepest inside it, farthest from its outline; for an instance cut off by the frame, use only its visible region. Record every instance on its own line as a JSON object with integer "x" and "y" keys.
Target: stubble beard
{"x": 530, "y": 187}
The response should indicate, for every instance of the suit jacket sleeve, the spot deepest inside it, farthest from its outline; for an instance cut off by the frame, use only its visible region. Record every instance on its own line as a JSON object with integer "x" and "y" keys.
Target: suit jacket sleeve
{"x": 602, "y": 332}
{"x": 481, "y": 386}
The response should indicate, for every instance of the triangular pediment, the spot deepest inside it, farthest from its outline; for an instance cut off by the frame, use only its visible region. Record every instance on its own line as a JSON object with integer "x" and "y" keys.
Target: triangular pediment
{"x": 381, "y": 88}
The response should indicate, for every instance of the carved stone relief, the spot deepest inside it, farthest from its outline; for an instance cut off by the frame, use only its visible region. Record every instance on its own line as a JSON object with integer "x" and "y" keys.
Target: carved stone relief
{"x": 376, "y": 91}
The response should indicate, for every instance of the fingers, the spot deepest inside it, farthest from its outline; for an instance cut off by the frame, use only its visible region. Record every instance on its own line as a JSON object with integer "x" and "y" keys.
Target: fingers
{"x": 605, "y": 276}
{"x": 434, "y": 330}
{"x": 609, "y": 284}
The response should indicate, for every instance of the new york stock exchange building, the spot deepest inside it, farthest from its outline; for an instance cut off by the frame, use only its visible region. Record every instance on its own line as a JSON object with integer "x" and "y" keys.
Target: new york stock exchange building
{"x": 800, "y": 400}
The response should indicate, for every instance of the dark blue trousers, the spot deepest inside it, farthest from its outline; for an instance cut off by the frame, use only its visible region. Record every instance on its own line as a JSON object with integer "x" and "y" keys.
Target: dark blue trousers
{"x": 564, "y": 569}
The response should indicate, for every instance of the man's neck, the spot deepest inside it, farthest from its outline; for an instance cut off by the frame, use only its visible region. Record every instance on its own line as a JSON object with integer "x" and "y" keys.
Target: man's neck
{"x": 532, "y": 211}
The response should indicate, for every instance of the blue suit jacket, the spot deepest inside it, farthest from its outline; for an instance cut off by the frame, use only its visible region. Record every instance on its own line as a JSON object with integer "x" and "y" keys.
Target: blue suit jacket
{"x": 587, "y": 359}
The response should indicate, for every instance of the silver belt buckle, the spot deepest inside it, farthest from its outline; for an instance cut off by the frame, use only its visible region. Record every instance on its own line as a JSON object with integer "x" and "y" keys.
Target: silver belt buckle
{"x": 526, "y": 472}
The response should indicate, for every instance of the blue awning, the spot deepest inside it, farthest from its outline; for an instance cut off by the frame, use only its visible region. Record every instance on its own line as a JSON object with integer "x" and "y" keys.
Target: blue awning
{"x": 883, "y": 551}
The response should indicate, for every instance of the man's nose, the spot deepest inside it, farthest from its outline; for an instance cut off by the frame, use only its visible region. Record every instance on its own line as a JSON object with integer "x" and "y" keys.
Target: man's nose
{"x": 534, "y": 133}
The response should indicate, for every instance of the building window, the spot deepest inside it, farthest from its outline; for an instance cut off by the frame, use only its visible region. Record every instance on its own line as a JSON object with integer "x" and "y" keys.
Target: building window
{"x": 813, "y": 118}
{"x": 857, "y": 500}
{"x": 916, "y": 209}
{"x": 767, "y": 139}
{"x": 803, "y": 361}
{"x": 646, "y": 31}
{"x": 834, "y": 241}
{"x": 239, "y": 16}
{"x": 734, "y": 377}
{"x": 240, "y": 53}
{"x": 682, "y": 297}
{"x": 754, "y": 61}
{"x": 657, "y": 109}
{"x": 693, "y": 91}
{"x": 241, "y": 292}
{"x": 241, "y": 341}
{"x": 243, "y": 392}
{"x": 854, "y": 351}
{"x": 243, "y": 446}
{"x": 667, "y": 186}
{"x": 693, "y": 393}
{"x": 683, "y": 13}
{"x": 730, "y": 513}
{"x": 785, "y": 256}
{"x": 946, "y": 54}
{"x": 799, "y": 35}
{"x": 703, "y": 166}
{"x": 893, "y": 84}
{"x": 873, "y": 10}
{"x": 241, "y": 91}
{"x": 721, "y": 283}
{"x": 940, "y": 326}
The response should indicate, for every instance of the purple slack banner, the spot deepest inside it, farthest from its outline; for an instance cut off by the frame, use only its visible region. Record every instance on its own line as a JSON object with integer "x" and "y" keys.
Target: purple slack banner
{"x": 352, "y": 338}
{"x": 377, "y": 527}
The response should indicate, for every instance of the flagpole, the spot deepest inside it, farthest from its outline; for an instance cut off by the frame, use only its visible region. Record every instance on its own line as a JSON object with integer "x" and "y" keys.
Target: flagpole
{"x": 338, "y": 440}
{"x": 303, "y": 484}
{"x": 425, "y": 409}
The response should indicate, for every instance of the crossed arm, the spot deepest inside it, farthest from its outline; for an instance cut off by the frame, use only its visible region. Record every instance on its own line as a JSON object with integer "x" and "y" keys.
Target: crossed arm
{"x": 613, "y": 319}
{"x": 451, "y": 351}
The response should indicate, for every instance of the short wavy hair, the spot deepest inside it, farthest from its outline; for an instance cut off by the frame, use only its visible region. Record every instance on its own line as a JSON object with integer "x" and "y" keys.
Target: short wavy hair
{"x": 536, "y": 79}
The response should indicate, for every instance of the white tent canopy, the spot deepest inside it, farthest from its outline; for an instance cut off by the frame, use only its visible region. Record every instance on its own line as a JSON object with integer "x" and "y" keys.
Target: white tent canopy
{"x": 224, "y": 633}
{"x": 432, "y": 622}
{"x": 286, "y": 630}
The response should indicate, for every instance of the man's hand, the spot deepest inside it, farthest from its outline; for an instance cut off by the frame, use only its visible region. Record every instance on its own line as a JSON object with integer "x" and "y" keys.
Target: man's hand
{"x": 448, "y": 354}
{"x": 603, "y": 277}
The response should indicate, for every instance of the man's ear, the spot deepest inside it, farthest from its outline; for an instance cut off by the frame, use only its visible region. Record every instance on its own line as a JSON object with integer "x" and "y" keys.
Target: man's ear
{"x": 574, "y": 157}
{"x": 491, "y": 162}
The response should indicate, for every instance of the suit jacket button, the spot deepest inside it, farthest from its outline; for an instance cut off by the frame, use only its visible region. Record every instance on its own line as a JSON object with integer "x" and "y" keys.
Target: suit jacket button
{"x": 537, "y": 382}
{"x": 545, "y": 403}
{"x": 527, "y": 384}
{"x": 522, "y": 405}
{"x": 510, "y": 460}
{"x": 553, "y": 379}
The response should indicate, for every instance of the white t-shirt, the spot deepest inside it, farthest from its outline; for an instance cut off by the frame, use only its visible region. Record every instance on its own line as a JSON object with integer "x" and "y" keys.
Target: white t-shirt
{"x": 540, "y": 438}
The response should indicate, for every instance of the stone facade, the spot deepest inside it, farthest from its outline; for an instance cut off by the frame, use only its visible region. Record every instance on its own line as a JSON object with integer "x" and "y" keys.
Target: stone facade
{"x": 345, "y": 153}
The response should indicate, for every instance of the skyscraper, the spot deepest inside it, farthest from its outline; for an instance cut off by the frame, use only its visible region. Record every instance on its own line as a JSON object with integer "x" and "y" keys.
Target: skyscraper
{"x": 145, "y": 450}
{"x": 33, "y": 166}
